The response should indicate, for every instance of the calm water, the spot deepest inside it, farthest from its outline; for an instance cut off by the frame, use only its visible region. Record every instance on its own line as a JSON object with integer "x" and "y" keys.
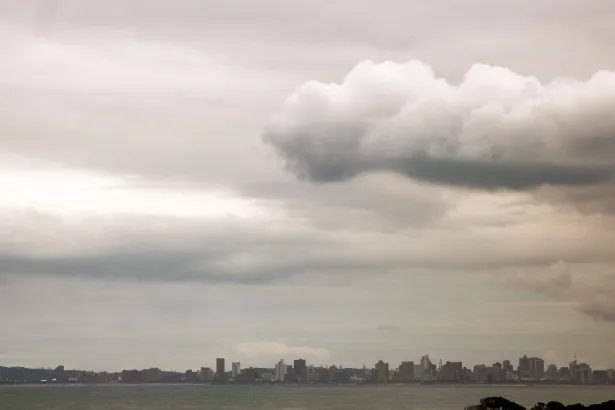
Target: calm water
{"x": 169, "y": 397}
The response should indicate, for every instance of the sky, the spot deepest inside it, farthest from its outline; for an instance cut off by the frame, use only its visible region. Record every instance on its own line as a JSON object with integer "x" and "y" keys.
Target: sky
{"x": 341, "y": 181}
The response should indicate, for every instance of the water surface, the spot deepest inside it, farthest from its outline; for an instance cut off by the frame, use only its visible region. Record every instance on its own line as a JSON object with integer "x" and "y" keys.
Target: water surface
{"x": 273, "y": 397}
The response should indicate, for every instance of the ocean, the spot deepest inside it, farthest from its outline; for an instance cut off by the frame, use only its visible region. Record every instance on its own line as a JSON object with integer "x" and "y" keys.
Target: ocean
{"x": 279, "y": 397}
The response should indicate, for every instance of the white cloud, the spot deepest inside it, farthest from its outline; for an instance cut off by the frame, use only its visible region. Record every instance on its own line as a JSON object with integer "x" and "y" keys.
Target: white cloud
{"x": 495, "y": 129}
{"x": 76, "y": 193}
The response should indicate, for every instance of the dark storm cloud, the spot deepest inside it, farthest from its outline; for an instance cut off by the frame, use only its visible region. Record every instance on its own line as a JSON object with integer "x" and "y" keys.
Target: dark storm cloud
{"x": 495, "y": 129}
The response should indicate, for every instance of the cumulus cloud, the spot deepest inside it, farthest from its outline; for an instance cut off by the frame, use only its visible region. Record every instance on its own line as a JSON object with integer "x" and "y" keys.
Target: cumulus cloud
{"x": 495, "y": 129}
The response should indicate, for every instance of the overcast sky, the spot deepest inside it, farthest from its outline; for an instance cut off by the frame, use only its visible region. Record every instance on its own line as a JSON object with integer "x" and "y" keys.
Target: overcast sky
{"x": 344, "y": 181}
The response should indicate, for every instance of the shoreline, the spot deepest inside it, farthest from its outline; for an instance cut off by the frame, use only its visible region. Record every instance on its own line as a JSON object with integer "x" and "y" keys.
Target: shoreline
{"x": 294, "y": 385}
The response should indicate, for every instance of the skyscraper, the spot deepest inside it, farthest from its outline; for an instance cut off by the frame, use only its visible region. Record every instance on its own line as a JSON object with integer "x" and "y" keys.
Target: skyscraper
{"x": 280, "y": 371}
{"x": 537, "y": 368}
{"x": 220, "y": 370}
{"x": 235, "y": 369}
{"x": 524, "y": 368}
{"x": 406, "y": 371}
{"x": 299, "y": 370}
{"x": 382, "y": 372}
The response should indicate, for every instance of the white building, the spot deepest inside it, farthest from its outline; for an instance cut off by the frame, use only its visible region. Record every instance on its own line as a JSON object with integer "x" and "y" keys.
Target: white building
{"x": 428, "y": 370}
{"x": 280, "y": 371}
{"x": 235, "y": 370}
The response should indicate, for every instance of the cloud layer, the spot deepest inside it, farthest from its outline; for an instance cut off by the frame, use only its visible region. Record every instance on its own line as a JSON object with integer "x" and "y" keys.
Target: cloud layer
{"x": 495, "y": 129}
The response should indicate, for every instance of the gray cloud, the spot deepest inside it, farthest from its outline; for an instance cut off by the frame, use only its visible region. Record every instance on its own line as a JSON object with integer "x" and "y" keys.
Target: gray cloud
{"x": 588, "y": 286}
{"x": 495, "y": 129}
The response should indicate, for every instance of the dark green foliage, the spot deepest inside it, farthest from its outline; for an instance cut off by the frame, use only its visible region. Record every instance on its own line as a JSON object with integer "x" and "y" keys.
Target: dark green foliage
{"x": 500, "y": 403}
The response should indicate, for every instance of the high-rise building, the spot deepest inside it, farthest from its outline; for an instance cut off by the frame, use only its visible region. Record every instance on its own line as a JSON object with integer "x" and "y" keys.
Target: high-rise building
{"x": 299, "y": 369}
{"x": 382, "y": 372}
{"x": 450, "y": 371}
{"x": 59, "y": 373}
{"x": 235, "y": 369}
{"x": 220, "y": 369}
{"x": 332, "y": 371}
{"x": 552, "y": 372}
{"x": 524, "y": 368}
{"x": 280, "y": 371}
{"x": 537, "y": 368}
{"x": 480, "y": 373}
{"x": 507, "y": 366}
{"x": 583, "y": 373}
{"x": 428, "y": 369}
{"x": 406, "y": 371}
{"x": 425, "y": 364}
{"x": 311, "y": 374}
{"x": 572, "y": 369}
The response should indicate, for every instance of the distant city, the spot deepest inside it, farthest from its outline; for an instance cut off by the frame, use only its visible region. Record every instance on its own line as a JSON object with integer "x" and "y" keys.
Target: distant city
{"x": 529, "y": 370}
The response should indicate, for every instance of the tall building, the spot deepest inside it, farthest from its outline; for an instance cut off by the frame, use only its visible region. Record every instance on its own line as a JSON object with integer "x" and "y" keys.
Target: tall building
{"x": 480, "y": 373}
{"x": 59, "y": 373}
{"x": 450, "y": 371}
{"x": 507, "y": 366}
{"x": 524, "y": 368}
{"x": 537, "y": 368}
{"x": 572, "y": 370}
{"x": 311, "y": 374}
{"x": 220, "y": 369}
{"x": 235, "y": 369}
{"x": 425, "y": 364}
{"x": 382, "y": 372}
{"x": 552, "y": 372}
{"x": 299, "y": 369}
{"x": 564, "y": 374}
{"x": 406, "y": 371}
{"x": 583, "y": 373}
{"x": 428, "y": 369}
{"x": 280, "y": 371}
{"x": 332, "y": 372}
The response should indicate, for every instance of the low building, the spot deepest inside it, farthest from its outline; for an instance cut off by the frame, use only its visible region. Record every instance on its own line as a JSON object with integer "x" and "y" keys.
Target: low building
{"x": 600, "y": 377}
{"x": 205, "y": 375}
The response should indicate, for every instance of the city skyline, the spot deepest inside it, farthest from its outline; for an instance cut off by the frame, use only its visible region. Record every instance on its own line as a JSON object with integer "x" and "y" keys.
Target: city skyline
{"x": 529, "y": 369}
{"x": 344, "y": 181}
{"x": 299, "y": 364}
